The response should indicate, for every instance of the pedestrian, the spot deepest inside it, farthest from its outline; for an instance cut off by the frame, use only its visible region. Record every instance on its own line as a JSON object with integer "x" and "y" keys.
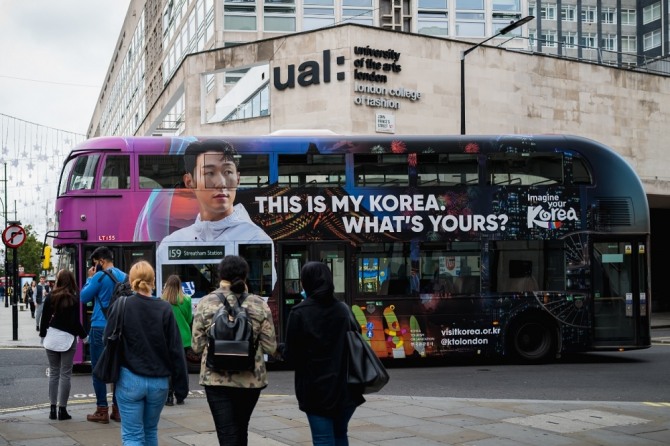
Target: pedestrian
{"x": 98, "y": 290}
{"x": 316, "y": 347}
{"x": 61, "y": 312}
{"x": 27, "y": 293}
{"x": 41, "y": 291}
{"x": 233, "y": 395}
{"x": 152, "y": 355}
{"x": 183, "y": 314}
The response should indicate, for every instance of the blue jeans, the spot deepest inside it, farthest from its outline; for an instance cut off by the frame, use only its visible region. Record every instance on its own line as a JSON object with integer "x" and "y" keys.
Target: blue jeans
{"x": 96, "y": 347}
{"x": 327, "y": 431}
{"x": 141, "y": 400}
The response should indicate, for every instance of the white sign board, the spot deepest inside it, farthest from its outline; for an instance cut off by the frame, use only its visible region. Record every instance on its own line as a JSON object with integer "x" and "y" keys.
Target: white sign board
{"x": 384, "y": 123}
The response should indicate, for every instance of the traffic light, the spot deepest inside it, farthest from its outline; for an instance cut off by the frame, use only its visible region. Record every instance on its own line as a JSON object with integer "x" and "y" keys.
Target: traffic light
{"x": 46, "y": 261}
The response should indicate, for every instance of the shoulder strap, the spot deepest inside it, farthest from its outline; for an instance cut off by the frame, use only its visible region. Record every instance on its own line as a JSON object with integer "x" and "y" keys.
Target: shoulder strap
{"x": 223, "y": 299}
{"x": 111, "y": 276}
{"x": 119, "y": 318}
{"x": 352, "y": 318}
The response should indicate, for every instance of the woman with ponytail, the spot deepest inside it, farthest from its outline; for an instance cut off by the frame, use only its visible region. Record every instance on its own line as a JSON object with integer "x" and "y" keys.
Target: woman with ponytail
{"x": 152, "y": 353}
{"x": 233, "y": 395}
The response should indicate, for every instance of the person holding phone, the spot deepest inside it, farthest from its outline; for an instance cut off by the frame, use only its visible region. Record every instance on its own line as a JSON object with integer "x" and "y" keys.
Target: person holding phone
{"x": 98, "y": 290}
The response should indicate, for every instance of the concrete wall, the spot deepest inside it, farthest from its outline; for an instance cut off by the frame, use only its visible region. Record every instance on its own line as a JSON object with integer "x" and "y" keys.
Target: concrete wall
{"x": 507, "y": 91}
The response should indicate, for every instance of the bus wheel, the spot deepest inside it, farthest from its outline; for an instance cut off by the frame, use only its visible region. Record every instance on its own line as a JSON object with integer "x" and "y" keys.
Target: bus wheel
{"x": 533, "y": 340}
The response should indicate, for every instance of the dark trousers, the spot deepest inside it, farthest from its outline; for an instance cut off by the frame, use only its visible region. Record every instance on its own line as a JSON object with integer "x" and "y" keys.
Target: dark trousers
{"x": 231, "y": 409}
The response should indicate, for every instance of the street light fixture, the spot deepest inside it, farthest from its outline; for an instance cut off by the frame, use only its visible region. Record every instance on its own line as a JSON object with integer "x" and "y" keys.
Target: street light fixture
{"x": 502, "y": 32}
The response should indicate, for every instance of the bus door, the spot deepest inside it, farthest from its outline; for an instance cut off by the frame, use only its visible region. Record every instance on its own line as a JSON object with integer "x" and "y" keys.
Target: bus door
{"x": 293, "y": 257}
{"x": 620, "y": 292}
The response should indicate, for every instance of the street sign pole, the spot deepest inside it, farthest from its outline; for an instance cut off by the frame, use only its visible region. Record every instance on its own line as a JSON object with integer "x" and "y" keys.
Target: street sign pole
{"x": 17, "y": 291}
{"x": 14, "y": 236}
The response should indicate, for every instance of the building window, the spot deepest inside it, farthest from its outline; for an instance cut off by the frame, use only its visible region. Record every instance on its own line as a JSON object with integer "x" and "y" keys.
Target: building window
{"x": 589, "y": 40}
{"x": 433, "y": 23}
{"x": 651, "y": 13}
{"x": 433, "y": 18}
{"x": 629, "y": 44}
{"x": 608, "y": 15}
{"x": 317, "y": 14}
{"x": 475, "y": 5}
{"x": 499, "y": 24}
{"x": 628, "y": 17}
{"x": 532, "y": 9}
{"x": 506, "y": 5}
{"x": 239, "y": 15}
{"x": 548, "y": 12}
{"x": 569, "y": 40}
{"x": 279, "y": 15}
{"x": 589, "y": 14}
{"x": 357, "y": 11}
{"x": 470, "y": 20}
{"x": 652, "y": 40}
{"x": 569, "y": 13}
{"x": 549, "y": 39}
{"x": 608, "y": 42}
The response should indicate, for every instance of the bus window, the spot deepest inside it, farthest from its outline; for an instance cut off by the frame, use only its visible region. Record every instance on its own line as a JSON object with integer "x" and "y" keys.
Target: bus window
{"x": 383, "y": 269}
{"x": 452, "y": 268}
{"x": 259, "y": 258}
{"x": 83, "y": 172}
{"x": 254, "y": 170}
{"x": 441, "y": 169}
{"x": 202, "y": 275}
{"x": 161, "y": 171}
{"x": 529, "y": 265}
{"x": 580, "y": 173}
{"x": 116, "y": 174}
{"x": 525, "y": 169}
{"x": 311, "y": 169}
{"x": 381, "y": 170}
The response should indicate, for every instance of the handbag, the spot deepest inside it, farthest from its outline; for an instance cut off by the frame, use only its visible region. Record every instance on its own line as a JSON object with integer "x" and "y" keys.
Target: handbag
{"x": 364, "y": 368}
{"x": 58, "y": 340}
{"x": 108, "y": 367}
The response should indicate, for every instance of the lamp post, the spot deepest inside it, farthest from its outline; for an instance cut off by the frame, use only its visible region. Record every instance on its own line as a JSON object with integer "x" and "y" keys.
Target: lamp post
{"x": 4, "y": 207}
{"x": 502, "y": 32}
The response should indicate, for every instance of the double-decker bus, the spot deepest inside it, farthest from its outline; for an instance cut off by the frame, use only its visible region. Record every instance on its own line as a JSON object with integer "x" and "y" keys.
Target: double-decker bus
{"x": 522, "y": 246}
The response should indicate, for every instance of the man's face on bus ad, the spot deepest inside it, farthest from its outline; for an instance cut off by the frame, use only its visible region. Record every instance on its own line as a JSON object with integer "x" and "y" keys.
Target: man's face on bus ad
{"x": 214, "y": 181}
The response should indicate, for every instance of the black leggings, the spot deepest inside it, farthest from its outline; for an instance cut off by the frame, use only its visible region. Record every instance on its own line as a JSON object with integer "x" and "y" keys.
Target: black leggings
{"x": 231, "y": 409}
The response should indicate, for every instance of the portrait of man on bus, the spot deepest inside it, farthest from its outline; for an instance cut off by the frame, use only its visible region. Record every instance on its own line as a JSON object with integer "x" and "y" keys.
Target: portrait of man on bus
{"x": 213, "y": 176}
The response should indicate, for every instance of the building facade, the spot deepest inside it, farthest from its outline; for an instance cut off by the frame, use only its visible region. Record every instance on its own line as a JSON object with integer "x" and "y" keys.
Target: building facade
{"x": 179, "y": 69}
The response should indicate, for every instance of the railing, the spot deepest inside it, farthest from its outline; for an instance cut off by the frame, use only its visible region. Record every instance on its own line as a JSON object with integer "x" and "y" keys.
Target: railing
{"x": 657, "y": 65}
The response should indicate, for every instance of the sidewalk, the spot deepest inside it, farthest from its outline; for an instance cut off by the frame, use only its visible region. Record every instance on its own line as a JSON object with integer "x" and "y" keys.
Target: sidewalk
{"x": 382, "y": 420}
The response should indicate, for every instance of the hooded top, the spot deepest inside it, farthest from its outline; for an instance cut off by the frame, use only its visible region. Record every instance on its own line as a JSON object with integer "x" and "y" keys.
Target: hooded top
{"x": 317, "y": 281}
{"x": 237, "y": 227}
{"x": 316, "y": 346}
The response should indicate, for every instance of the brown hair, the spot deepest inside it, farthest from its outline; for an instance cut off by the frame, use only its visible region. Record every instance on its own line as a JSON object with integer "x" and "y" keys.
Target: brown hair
{"x": 172, "y": 291}
{"x": 64, "y": 294}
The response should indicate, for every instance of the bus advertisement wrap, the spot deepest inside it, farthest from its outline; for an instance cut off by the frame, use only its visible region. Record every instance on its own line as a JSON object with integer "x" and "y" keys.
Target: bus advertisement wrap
{"x": 440, "y": 245}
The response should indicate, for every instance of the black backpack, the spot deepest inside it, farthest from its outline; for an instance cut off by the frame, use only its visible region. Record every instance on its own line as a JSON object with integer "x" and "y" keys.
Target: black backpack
{"x": 120, "y": 289}
{"x": 231, "y": 338}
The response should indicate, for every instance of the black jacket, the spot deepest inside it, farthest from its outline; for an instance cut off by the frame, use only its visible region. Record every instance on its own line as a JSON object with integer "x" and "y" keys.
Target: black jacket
{"x": 67, "y": 319}
{"x": 316, "y": 347}
{"x": 151, "y": 341}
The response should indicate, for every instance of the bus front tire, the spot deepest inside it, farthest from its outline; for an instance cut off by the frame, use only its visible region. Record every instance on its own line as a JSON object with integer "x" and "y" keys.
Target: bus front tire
{"x": 533, "y": 340}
